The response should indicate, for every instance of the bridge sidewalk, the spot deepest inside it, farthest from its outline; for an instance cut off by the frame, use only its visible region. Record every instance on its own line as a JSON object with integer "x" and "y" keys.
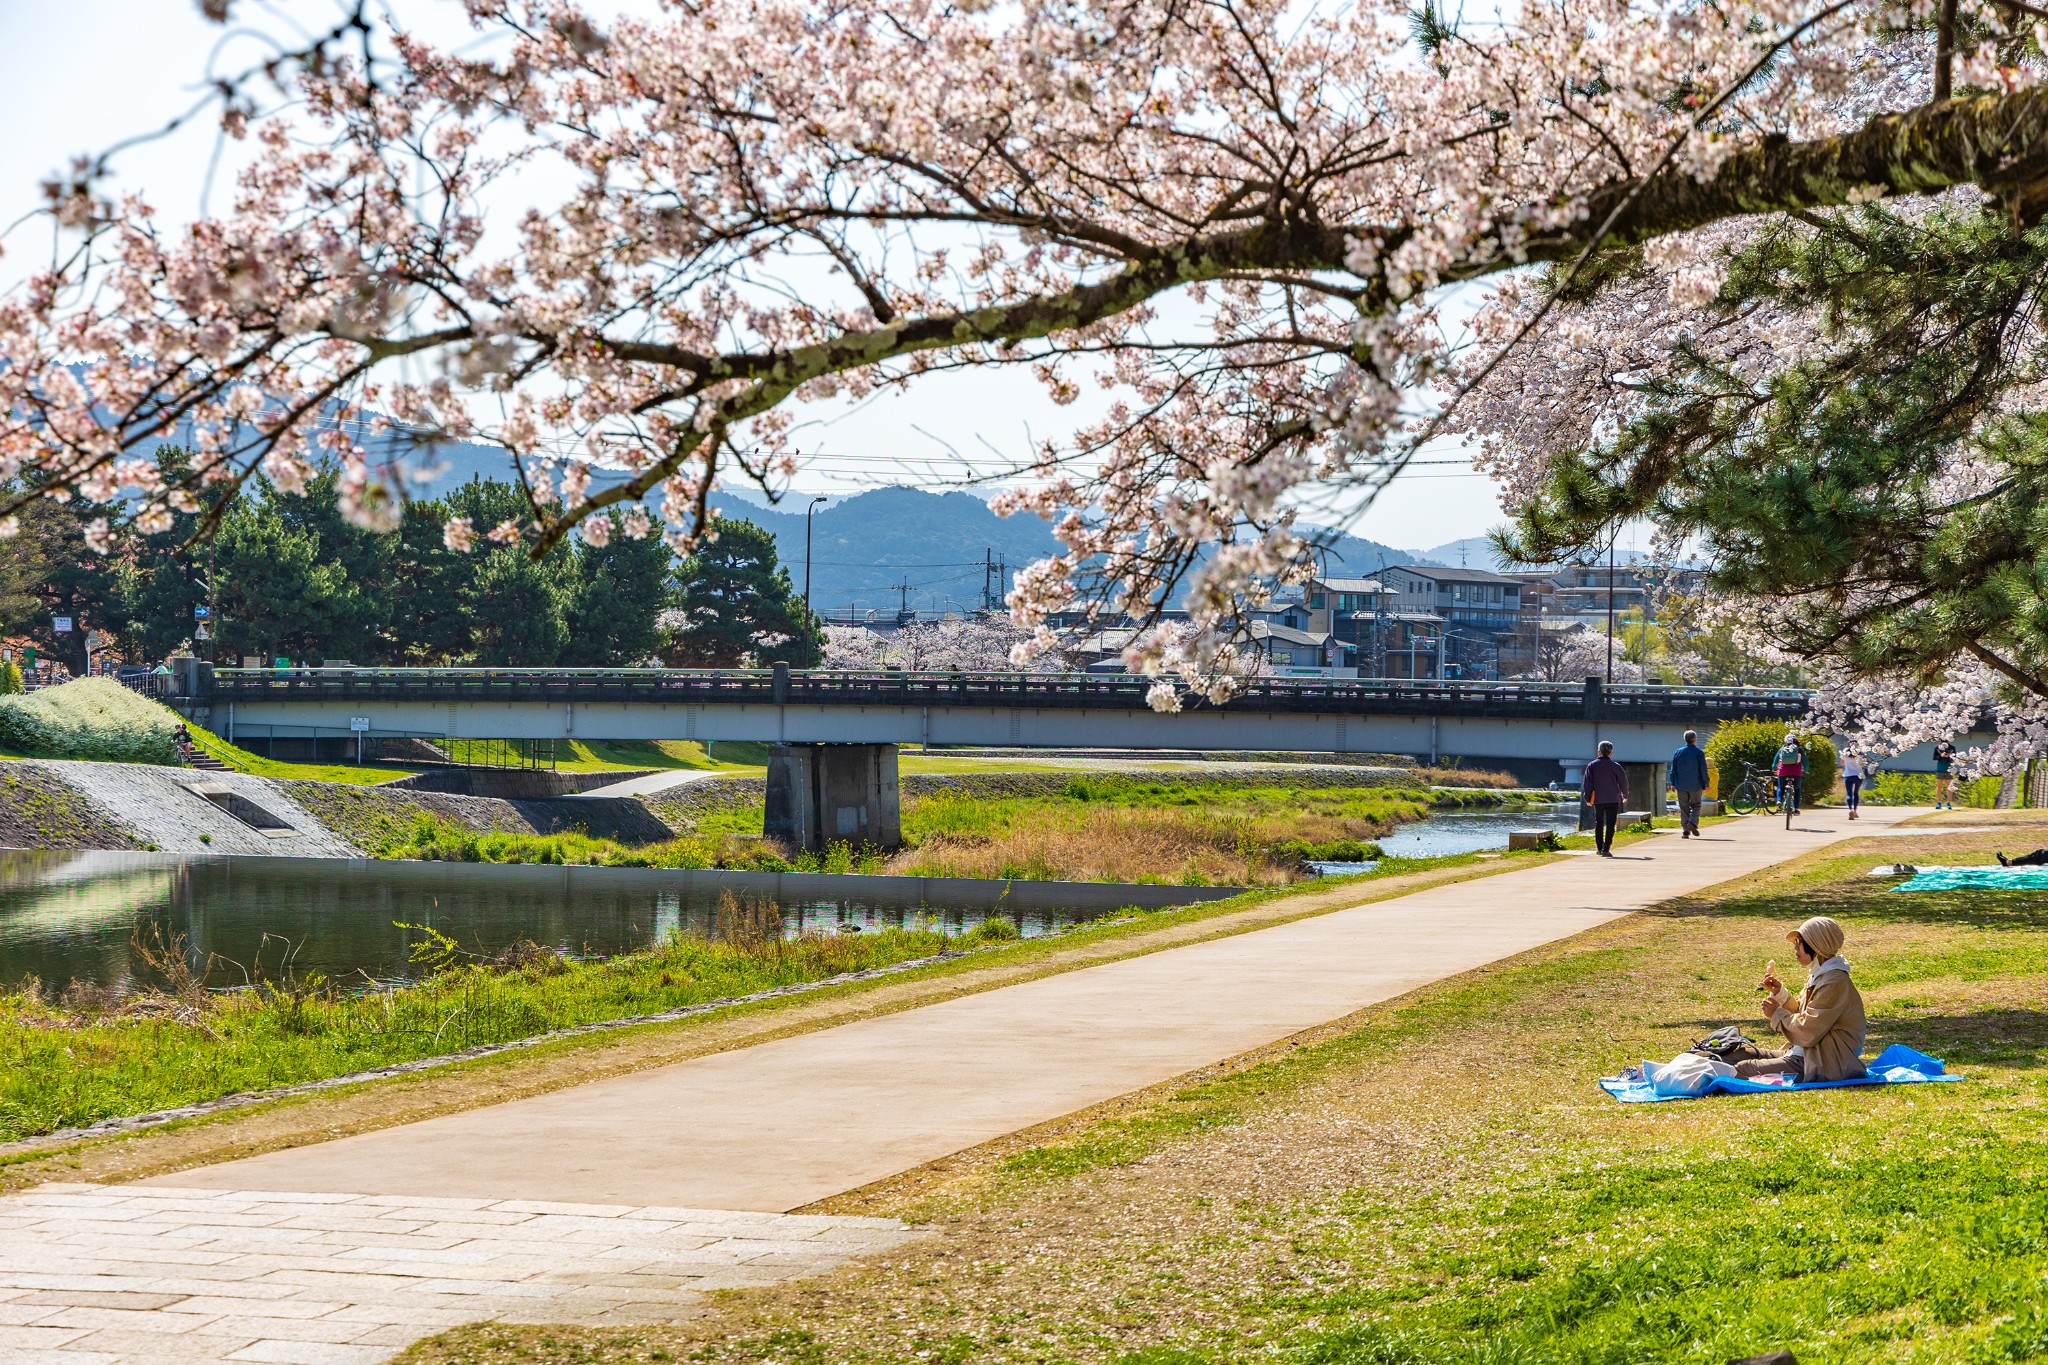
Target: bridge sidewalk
{"x": 779, "y": 1125}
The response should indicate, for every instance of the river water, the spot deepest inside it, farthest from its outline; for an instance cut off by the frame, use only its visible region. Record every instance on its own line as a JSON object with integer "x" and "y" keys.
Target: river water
{"x": 76, "y": 916}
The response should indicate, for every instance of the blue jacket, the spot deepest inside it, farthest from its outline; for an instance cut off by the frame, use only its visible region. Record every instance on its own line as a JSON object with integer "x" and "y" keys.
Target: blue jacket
{"x": 1689, "y": 768}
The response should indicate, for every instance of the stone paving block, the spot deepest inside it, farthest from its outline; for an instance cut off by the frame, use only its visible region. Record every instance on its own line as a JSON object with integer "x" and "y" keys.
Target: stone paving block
{"x": 334, "y": 1331}
{"x": 32, "y": 1280}
{"x": 27, "y": 1338}
{"x": 421, "y": 1201}
{"x": 22, "y": 1314}
{"x": 274, "y": 1308}
{"x": 509, "y": 1289}
{"x": 456, "y": 1255}
{"x": 296, "y": 1197}
{"x": 104, "y": 1298}
{"x": 311, "y": 1353}
{"x": 148, "y": 1348}
{"x": 460, "y": 1218}
{"x": 571, "y": 1210}
{"x": 241, "y": 1289}
{"x": 30, "y": 1356}
{"x": 125, "y": 1317}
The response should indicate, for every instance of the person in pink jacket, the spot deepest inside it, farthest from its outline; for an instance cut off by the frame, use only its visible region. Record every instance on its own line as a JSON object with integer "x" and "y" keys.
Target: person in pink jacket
{"x": 1605, "y": 787}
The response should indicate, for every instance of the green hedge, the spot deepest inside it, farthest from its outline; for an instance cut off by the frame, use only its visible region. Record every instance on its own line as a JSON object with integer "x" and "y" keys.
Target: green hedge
{"x": 1755, "y": 742}
{"x": 92, "y": 718}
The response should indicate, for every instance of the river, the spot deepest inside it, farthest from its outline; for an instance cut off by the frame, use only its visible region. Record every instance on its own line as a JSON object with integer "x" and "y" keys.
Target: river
{"x": 76, "y": 916}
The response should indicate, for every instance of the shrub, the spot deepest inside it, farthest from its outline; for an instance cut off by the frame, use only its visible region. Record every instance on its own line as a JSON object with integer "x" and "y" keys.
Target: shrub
{"x": 1756, "y": 742}
{"x": 91, "y": 718}
{"x": 11, "y": 684}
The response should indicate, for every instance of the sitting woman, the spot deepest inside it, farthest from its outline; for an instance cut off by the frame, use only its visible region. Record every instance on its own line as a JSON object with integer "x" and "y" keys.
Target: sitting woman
{"x": 1824, "y": 1022}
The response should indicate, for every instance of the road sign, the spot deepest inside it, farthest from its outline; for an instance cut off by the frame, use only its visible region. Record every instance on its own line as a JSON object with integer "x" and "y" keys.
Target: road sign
{"x": 61, "y": 624}
{"x": 201, "y": 611}
{"x": 359, "y": 723}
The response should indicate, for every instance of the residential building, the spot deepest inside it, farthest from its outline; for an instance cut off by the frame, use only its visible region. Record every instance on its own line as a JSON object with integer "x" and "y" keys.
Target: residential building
{"x": 1462, "y": 597}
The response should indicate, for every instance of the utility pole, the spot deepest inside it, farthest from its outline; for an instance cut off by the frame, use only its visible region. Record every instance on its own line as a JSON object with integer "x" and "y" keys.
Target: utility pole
{"x": 1610, "y": 605}
{"x": 988, "y": 568}
{"x": 807, "y": 551}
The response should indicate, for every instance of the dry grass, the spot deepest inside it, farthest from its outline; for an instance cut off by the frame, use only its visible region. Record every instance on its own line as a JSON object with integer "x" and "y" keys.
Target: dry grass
{"x": 1103, "y": 845}
{"x": 1468, "y": 777}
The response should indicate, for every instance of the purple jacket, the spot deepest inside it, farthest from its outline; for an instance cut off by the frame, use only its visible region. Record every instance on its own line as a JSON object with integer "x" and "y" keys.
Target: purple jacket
{"x": 1606, "y": 781}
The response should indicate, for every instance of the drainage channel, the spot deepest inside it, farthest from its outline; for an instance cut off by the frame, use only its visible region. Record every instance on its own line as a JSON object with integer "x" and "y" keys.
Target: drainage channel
{"x": 232, "y": 802}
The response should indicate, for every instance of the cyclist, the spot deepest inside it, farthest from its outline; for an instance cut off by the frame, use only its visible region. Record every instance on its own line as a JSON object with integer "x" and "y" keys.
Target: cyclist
{"x": 1790, "y": 766}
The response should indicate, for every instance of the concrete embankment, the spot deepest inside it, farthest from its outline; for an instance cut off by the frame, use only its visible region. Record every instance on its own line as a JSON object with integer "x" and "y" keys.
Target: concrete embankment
{"x": 55, "y": 804}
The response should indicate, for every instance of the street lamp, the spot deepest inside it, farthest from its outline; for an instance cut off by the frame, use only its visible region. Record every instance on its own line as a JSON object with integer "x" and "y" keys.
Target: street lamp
{"x": 807, "y": 550}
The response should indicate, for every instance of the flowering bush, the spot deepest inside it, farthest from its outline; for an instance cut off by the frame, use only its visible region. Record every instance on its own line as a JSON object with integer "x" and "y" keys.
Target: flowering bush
{"x": 91, "y": 718}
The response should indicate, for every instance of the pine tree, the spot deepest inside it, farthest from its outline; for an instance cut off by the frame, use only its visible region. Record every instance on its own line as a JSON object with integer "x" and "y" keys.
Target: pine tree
{"x": 1836, "y": 481}
{"x": 737, "y": 608}
{"x": 615, "y": 615}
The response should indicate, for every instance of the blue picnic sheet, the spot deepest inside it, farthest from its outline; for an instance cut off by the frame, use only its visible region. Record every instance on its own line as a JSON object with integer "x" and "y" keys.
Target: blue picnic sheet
{"x": 1992, "y": 877}
{"x": 1896, "y": 1065}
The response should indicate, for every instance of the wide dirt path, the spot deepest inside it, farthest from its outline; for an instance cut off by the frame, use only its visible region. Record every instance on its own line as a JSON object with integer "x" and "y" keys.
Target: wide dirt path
{"x": 782, "y": 1124}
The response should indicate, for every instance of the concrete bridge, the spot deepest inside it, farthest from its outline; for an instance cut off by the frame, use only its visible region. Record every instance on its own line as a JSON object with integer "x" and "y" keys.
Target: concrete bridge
{"x": 832, "y": 773}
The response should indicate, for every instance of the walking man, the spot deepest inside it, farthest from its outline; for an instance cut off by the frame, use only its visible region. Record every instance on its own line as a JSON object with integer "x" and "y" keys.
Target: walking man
{"x": 1689, "y": 780}
{"x": 1605, "y": 787}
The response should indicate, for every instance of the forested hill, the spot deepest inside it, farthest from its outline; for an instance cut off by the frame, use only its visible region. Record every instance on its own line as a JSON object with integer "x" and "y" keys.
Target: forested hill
{"x": 867, "y": 545}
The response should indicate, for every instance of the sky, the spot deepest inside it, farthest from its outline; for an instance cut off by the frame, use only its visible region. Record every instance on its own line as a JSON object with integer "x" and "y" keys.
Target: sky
{"x": 148, "y": 62}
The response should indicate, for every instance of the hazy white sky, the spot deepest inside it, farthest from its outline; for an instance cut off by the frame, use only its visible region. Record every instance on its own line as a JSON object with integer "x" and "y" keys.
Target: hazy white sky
{"x": 83, "y": 74}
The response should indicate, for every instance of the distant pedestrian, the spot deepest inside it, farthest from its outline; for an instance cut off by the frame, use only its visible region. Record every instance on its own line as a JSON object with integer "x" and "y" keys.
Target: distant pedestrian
{"x": 1689, "y": 780}
{"x": 1790, "y": 767}
{"x": 1944, "y": 776}
{"x": 1852, "y": 781}
{"x": 1605, "y": 787}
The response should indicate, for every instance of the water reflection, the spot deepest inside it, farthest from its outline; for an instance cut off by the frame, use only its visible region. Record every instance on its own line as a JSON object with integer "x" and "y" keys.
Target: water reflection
{"x": 68, "y": 916}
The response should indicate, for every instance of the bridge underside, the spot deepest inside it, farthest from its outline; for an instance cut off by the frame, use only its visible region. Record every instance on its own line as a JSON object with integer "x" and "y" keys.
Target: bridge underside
{"x": 1422, "y": 736}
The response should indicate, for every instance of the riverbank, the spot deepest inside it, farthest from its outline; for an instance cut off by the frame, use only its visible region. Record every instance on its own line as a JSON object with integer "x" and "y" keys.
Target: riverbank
{"x": 1241, "y": 827}
{"x": 1439, "y": 1180}
{"x": 70, "y": 1044}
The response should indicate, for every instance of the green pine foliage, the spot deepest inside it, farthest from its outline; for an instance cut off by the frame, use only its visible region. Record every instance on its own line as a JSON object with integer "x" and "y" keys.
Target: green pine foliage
{"x": 91, "y": 718}
{"x": 11, "y": 684}
{"x": 1756, "y": 742}
{"x": 737, "y": 607}
{"x": 1825, "y": 481}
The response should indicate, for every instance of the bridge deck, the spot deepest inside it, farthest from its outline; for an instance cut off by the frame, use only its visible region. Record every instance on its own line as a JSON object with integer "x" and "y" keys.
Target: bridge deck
{"x": 1055, "y": 691}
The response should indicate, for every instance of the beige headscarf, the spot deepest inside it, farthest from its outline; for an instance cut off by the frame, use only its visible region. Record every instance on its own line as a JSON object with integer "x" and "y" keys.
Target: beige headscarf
{"x": 1822, "y": 935}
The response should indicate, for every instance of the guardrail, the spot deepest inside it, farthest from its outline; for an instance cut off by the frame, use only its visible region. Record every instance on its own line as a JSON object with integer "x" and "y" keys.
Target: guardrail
{"x": 1070, "y": 691}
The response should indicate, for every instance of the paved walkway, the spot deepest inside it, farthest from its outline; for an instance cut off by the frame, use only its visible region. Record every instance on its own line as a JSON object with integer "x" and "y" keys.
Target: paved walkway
{"x": 91, "y": 1275}
{"x": 761, "y": 1130}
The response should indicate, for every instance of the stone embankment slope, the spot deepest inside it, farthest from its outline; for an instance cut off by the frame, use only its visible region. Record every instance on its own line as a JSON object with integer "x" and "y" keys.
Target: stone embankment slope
{"x": 56, "y": 804}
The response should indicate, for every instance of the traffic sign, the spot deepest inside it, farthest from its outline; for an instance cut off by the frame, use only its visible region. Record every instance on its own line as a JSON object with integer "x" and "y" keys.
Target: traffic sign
{"x": 200, "y": 611}
{"x": 61, "y": 624}
{"x": 359, "y": 723}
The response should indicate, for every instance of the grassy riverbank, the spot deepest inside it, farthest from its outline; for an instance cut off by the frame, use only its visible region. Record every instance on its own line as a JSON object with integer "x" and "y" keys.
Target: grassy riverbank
{"x": 1439, "y": 1182}
{"x": 1092, "y": 827}
{"x": 89, "y": 1055}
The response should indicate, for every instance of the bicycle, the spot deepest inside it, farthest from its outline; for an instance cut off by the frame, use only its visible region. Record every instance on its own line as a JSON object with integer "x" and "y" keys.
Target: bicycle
{"x": 1756, "y": 791}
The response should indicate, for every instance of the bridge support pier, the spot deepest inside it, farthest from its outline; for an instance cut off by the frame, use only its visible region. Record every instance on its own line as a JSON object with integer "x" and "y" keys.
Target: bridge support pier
{"x": 820, "y": 794}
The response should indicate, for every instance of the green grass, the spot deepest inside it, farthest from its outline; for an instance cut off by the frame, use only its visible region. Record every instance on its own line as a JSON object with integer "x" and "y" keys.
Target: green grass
{"x": 256, "y": 765}
{"x": 85, "y": 1059}
{"x": 597, "y": 756}
{"x": 727, "y": 839}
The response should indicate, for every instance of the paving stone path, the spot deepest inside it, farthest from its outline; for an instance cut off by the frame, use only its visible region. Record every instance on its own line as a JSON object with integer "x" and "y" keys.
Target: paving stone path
{"x": 93, "y": 1275}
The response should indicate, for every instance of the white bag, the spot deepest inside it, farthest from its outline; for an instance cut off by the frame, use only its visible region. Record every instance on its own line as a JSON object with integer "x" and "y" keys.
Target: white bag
{"x": 1689, "y": 1073}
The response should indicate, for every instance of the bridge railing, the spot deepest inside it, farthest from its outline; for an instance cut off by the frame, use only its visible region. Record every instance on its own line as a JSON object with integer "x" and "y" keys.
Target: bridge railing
{"x": 998, "y": 689}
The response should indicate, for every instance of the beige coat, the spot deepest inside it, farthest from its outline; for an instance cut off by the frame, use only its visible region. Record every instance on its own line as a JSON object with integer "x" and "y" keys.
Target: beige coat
{"x": 1828, "y": 1023}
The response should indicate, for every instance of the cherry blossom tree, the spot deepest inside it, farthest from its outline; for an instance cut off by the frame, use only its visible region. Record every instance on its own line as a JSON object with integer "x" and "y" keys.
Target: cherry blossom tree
{"x": 1231, "y": 216}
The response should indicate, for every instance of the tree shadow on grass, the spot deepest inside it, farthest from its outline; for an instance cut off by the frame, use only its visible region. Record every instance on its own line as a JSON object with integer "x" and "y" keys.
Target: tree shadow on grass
{"x": 1965, "y": 908}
